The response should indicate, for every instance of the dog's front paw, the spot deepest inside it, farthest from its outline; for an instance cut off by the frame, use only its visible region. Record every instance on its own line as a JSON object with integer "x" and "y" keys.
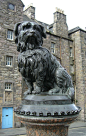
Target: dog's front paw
{"x": 27, "y": 92}
{"x": 37, "y": 90}
{"x": 54, "y": 90}
{"x": 71, "y": 92}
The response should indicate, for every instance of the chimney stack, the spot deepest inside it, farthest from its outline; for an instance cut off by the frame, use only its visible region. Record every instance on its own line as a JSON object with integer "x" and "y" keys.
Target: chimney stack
{"x": 30, "y": 11}
{"x": 60, "y": 27}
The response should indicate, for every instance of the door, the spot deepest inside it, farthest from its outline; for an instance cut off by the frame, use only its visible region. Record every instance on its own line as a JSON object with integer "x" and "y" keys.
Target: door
{"x": 7, "y": 117}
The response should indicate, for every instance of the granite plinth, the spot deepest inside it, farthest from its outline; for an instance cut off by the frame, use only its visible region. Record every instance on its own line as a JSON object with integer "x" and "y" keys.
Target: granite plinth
{"x": 46, "y": 126}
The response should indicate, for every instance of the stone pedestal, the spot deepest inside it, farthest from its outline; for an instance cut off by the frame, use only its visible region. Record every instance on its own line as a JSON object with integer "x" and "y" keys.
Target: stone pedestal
{"x": 46, "y": 126}
{"x": 47, "y": 115}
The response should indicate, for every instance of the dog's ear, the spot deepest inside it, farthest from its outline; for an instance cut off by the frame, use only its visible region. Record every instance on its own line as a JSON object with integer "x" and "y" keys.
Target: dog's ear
{"x": 16, "y": 28}
{"x": 43, "y": 31}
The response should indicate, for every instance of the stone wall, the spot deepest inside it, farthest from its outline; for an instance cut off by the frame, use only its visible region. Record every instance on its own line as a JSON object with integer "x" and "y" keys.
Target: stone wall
{"x": 9, "y": 74}
{"x": 83, "y": 55}
{"x": 80, "y": 74}
{"x": 61, "y": 48}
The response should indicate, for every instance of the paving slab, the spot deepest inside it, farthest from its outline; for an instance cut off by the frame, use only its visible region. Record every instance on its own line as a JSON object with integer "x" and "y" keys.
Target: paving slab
{"x": 78, "y": 124}
{"x": 77, "y": 128}
{"x": 13, "y": 131}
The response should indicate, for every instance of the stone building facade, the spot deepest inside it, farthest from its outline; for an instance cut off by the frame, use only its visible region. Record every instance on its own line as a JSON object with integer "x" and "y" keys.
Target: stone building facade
{"x": 11, "y": 12}
{"x": 79, "y": 47}
{"x": 69, "y": 47}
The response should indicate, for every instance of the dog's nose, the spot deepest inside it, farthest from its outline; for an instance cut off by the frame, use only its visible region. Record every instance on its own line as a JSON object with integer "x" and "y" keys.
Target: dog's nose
{"x": 32, "y": 32}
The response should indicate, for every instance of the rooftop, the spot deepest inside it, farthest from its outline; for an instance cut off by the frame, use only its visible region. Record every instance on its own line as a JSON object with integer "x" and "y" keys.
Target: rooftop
{"x": 75, "y": 30}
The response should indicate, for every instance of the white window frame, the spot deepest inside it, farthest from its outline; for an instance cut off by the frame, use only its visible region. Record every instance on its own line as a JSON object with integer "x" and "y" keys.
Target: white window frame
{"x": 10, "y": 34}
{"x": 9, "y": 61}
{"x": 8, "y": 86}
{"x": 52, "y": 47}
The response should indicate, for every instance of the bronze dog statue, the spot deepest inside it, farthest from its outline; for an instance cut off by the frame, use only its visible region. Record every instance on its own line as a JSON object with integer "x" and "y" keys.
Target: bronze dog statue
{"x": 37, "y": 64}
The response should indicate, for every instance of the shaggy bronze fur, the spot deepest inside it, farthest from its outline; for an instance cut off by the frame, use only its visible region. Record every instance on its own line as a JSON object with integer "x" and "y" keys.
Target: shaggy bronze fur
{"x": 37, "y": 64}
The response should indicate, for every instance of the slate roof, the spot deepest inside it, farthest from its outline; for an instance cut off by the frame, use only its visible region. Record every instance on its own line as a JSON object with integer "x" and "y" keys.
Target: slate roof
{"x": 75, "y": 30}
{"x": 22, "y": 3}
{"x": 26, "y": 18}
{"x": 50, "y": 27}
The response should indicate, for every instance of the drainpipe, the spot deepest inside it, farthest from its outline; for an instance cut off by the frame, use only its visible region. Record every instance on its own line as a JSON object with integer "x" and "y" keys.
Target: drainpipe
{"x": 60, "y": 48}
{"x": 74, "y": 70}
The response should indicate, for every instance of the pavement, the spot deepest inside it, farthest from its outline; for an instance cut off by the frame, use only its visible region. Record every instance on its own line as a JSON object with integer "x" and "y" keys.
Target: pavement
{"x": 77, "y": 128}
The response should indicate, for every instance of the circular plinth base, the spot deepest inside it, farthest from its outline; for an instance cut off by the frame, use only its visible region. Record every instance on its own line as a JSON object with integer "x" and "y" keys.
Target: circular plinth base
{"x": 46, "y": 126}
{"x": 47, "y": 115}
{"x": 44, "y": 106}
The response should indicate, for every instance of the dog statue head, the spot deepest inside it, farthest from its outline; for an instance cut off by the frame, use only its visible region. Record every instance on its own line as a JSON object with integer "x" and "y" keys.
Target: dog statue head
{"x": 29, "y": 35}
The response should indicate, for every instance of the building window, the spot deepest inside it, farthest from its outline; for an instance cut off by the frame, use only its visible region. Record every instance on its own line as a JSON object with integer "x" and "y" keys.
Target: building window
{"x": 85, "y": 54}
{"x": 10, "y": 34}
{"x": 11, "y": 6}
{"x": 71, "y": 69}
{"x": 8, "y": 96}
{"x": 8, "y": 86}
{"x": 47, "y": 27}
{"x": 52, "y": 47}
{"x": 8, "y": 92}
{"x": 9, "y": 60}
{"x": 85, "y": 40}
{"x": 71, "y": 52}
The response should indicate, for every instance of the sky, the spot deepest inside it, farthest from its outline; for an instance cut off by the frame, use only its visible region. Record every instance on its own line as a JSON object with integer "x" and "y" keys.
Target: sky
{"x": 75, "y": 11}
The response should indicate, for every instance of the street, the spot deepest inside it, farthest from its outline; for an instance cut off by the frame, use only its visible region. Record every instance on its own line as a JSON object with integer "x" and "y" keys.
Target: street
{"x": 80, "y": 131}
{"x": 78, "y": 128}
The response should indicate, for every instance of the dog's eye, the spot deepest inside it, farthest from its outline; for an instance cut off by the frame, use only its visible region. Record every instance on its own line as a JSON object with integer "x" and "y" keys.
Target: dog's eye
{"x": 26, "y": 27}
{"x": 36, "y": 28}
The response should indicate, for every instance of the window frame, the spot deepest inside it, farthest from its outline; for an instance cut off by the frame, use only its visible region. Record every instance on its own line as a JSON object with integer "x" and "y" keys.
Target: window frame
{"x": 8, "y": 86}
{"x": 12, "y": 9}
{"x": 5, "y": 101}
{"x": 52, "y": 48}
{"x": 10, "y": 61}
{"x": 71, "y": 52}
{"x": 72, "y": 69}
{"x": 8, "y": 90}
{"x": 85, "y": 40}
{"x": 10, "y": 34}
